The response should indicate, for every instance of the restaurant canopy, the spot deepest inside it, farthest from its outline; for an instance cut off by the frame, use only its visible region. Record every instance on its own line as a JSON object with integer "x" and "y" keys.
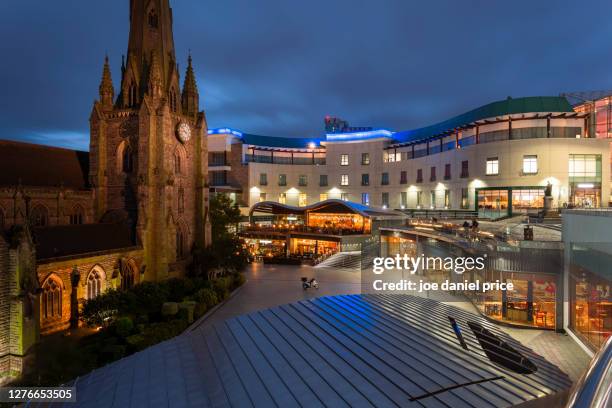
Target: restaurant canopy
{"x": 332, "y": 206}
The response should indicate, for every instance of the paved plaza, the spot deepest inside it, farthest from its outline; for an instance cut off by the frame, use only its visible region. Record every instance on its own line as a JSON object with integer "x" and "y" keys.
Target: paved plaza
{"x": 273, "y": 285}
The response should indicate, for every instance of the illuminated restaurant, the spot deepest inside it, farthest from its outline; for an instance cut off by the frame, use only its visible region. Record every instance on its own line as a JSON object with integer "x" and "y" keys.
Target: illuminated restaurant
{"x": 318, "y": 230}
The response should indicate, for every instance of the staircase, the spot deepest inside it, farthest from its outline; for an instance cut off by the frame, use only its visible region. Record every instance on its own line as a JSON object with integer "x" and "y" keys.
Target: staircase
{"x": 342, "y": 260}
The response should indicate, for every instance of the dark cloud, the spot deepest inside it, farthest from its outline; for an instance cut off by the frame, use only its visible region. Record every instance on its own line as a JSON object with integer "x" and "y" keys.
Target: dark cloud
{"x": 277, "y": 67}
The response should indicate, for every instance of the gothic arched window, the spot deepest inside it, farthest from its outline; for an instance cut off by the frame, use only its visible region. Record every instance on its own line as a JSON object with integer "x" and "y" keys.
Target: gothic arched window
{"x": 132, "y": 95}
{"x": 173, "y": 104}
{"x": 153, "y": 19}
{"x": 77, "y": 216}
{"x": 180, "y": 243}
{"x": 181, "y": 200}
{"x": 51, "y": 299}
{"x": 127, "y": 159}
{"x": 39, "y": 217}
{"x": 127, "y": 275}
{"x": 94, "y": 283}
{"x": 177, "y": 163}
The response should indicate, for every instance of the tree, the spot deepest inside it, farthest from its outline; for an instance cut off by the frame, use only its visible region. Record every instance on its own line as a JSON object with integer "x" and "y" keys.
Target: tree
{"x": 227, "y": 253}
{"x": 224, "y": 216}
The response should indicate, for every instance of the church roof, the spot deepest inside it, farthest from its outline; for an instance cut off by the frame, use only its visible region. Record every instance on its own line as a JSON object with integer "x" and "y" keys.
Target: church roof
{"x": 42, "y": 166}
{"x": 338, "y": 351}
{"x": 72, "y": 240}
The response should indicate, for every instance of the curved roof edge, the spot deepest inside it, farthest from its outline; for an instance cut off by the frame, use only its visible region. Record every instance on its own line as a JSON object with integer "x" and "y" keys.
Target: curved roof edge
{"x": 509, "y": 106}
{"x": 270, "y": 207}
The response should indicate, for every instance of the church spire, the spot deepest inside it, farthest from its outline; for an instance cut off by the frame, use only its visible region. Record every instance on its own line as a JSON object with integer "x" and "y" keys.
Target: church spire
{"x": 151, "y": 34}
{"x": 155, "y": 77}
{"x": 107, "y": 91}
{"x": 190, "y": 97}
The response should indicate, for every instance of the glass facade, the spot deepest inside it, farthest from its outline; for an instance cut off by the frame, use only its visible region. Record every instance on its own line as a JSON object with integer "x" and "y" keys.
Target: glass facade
{"x": 585, "y": 180}
{"x": 590, "y": 283}
{"x": 506, "y": 201}
{"x": 531, "y": 302}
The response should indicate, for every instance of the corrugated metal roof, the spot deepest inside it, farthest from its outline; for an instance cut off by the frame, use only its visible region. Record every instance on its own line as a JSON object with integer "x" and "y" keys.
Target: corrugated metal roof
{"x": 339, "y": 351}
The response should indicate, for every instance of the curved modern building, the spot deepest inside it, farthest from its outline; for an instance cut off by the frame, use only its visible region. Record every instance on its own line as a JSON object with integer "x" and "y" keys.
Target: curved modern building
{"x": 497, "y": 159}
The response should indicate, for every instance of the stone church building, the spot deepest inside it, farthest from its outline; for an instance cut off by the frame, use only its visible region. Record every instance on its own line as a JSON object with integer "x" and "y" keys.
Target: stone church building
{"x": 73, "y": 224}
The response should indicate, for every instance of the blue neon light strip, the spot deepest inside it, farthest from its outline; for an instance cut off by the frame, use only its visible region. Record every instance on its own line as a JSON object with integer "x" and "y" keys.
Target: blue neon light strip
{"x": 224, "y": 131}
{"x": 370, "y": 134}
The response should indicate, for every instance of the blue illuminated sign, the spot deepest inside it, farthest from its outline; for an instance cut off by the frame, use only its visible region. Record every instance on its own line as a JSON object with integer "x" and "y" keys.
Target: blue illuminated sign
{"x": 370, "y": 134}
{"x": 224, "y": 131}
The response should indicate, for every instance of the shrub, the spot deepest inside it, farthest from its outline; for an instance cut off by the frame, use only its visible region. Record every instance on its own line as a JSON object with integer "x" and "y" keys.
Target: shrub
{"x": 124, "y": 326}
{"x": 169, "y": 309}
{"x": 177, "y": 289}
{"x": 207, "y": 297}
{"x": 158, "y": 332}
{"x": 221, "y": 287}
{"x": 239, "y": 280}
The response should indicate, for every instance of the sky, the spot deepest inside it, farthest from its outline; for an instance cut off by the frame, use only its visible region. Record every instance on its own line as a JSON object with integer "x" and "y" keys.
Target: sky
{"x": 277, "y": 67}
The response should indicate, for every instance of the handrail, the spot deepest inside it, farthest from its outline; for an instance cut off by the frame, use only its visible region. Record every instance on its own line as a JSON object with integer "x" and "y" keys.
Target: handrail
{"x": 594, "y": 389}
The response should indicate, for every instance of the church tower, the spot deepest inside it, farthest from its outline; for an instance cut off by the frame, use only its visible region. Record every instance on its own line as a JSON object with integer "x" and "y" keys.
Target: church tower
{"x": 148, "y": 152}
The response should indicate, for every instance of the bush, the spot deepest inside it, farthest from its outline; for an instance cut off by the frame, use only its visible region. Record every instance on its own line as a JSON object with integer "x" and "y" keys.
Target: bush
{"x": 222, "y": 287}
{"x": 207, "y": 297}
{"x": 169, "y": 309}
{"x": 177, "y": 289}
{"x": 158, "y": 332}
{"x": 124, "y": 327}
{"x": 239, "y": 280}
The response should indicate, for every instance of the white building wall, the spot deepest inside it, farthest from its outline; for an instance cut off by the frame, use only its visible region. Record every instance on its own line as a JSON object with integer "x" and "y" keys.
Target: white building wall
{"x": 553, "y": 166}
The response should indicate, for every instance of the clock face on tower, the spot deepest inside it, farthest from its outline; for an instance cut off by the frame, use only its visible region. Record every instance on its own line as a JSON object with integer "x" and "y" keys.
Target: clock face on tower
{"x": 183, "y": 132}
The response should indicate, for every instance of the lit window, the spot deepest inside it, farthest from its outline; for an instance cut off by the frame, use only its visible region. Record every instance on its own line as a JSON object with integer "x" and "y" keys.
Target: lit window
{"x": 365, "y": 159}
{"x": 344, "y": 180}
{"x": 282, "y": 198}
{"x": 492, "y": 166}
{"x": 302, "y": 200}
{"x": 432, "y": 198}
{"x": 344, "y": 161}
{"x": 403, "y": 199}
{"x": 385, "y": 200}
{"x": 94, "y": 284}
{"x": 51, "y": 300}
{"x": 344, "y": 196}
{"x": 323, "y": 196}
{"x": 262, "y": 197}
{"x": 530, "y": 164}
{"x": 365, "y": 198}
{"x": 584, "y": 165}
